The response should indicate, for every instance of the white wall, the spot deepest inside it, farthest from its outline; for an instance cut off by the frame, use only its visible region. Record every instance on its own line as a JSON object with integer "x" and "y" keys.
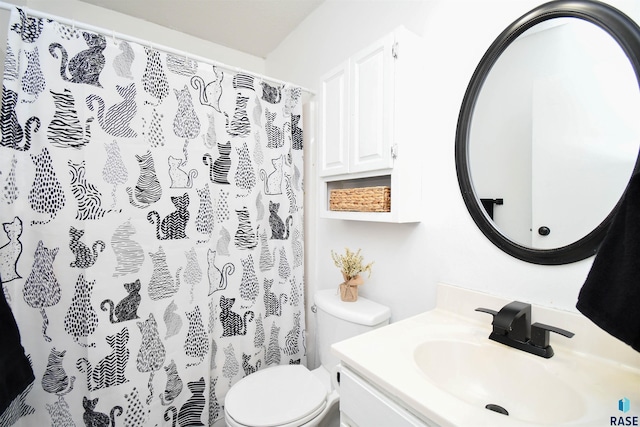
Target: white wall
{"x": 446, "y": 246}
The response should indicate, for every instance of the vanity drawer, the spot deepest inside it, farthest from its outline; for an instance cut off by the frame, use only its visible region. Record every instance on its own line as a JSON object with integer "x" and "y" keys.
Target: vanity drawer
{"x": 362, "y": 405}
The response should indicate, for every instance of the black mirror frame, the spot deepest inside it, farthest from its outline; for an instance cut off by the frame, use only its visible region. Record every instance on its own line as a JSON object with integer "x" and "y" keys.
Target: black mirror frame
{"x": 627, "y": 33}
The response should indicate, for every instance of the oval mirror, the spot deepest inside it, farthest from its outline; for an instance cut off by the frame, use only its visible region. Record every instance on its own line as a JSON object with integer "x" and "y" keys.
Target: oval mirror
{"x": 548, "y": 132}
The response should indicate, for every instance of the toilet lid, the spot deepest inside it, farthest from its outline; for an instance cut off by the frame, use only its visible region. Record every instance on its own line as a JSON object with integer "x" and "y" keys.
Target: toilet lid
{"x": 275, "y": 396}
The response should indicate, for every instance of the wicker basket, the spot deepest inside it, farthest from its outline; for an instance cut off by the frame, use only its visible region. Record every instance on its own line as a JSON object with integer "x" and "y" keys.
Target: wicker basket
{"x": 364, "y": 199}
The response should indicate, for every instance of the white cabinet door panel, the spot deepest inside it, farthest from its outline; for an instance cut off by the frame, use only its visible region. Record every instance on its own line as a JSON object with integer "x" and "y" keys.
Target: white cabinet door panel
{"x": 334, "y": 127}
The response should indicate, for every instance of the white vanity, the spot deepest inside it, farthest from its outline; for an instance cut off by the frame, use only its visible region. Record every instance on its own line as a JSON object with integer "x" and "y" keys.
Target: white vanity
{"x": 440, "y": 369}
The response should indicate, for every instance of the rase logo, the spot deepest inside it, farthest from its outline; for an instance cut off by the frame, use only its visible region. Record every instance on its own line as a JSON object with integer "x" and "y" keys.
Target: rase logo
{"x": 624, "y": 406}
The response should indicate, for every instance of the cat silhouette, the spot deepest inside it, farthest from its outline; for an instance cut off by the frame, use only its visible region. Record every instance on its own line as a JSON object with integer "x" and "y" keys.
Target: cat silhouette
{"x": 10, "y": 252}
{"x": 296, "y": 133}
{"x": 245, "y": 237}
{"x": 109, "y": 371}
{"x": 185, "y": 123}
{"x": 272, "y": 302}
{"x": 148, "y": 189}
{"x": 210, "y": 93}
{"x": 116, "y": 120}
{"x": 129, "y": 253}
{"x": 114, "y": 171}
{"x": 230, "y": 368}
{"x": 33, "y": 82}
{"x": 60, "y": 413}
{"x": 191, "y": 412}
{"x": 42, "y": 289}
{"x": 173, "y": 225}
{"x": 179, "y": 177}
{"x": 122, "y": 62}
{"x": 172, "y": 320}
{"x": 240, "y": 125}
{"x": 292, "y": 98}
{"x": 65, "y": 129}
{"x": 152, "y": 352}
{"x": 215, "y": 408}
{"x": 92, "y": 418}
{"x": 86, "y": 66}
{"x": 291, "y": 340}
{"x": 204, "y": 218}
{"x": 273, "y": 181}
{"x": 233, "y": 323}
{"x": 219, "y": 168}
{"x": 162, "y": 284}
{"x": 174, "y": 384}
{"x": 209, "y": 137}
{"x": 267, "y": 258}
{"x": 11, "y": 130}
{"x": 154, "y": 79}
{"x": 9, "y": 191}
{"x": 55, "y": 379}
{"x": 273, "y": 355}
{"x": 81, "y": 319}
{"x": 279, "y": 230}
{"x": 127, "y": 308}
{"x": 87, "y": 195}
{"x": 271, "y": 94}
{"x": 218, "y": 278}
{"x": 197, "y": 342}
{"x": 275, "y": 134}
{"x": 152, "y": 129}
{"x": 249, "y": 287}
{"x": 47, "y": 194}
{"x": 29, "y": 27}
{"x": 245, "y": 176}
{"x": 247, "y": 367}
{"x": 85, "y": 256}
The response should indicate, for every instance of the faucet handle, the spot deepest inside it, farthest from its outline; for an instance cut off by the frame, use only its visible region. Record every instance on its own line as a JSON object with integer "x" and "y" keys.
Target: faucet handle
{"x": 540, "y": 334}
{"x": 487, "y": 310}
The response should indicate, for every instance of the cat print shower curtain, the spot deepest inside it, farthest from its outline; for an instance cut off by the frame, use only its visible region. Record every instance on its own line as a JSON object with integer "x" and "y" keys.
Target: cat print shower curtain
{"x": 151, "y": 248}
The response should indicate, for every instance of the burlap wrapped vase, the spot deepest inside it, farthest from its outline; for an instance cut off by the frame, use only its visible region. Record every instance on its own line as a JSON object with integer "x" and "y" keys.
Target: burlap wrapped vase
{"x": 349, "y": 288}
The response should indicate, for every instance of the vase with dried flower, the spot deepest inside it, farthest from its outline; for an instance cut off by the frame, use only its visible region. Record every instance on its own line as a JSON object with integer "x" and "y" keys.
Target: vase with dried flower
{"x": 351, "y": 265}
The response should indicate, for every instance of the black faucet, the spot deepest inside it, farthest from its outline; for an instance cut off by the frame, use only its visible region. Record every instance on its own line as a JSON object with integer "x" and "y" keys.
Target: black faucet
{"x": 512, "y": 326}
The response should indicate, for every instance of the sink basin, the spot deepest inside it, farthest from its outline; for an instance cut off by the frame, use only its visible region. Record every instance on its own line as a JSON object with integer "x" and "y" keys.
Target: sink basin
{"x": 486, "y": 373}
{"x": 442, "y": 367}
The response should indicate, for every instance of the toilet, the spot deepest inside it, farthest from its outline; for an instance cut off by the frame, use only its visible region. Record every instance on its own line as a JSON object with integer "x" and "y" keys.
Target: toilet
{"x": 292, "y": 395}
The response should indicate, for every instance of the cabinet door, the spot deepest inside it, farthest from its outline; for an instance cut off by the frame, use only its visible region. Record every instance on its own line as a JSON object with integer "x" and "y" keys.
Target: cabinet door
{"x": 362, "y": 404}
{"x": 372, "y": 107}
{"x": 334, "y": 122}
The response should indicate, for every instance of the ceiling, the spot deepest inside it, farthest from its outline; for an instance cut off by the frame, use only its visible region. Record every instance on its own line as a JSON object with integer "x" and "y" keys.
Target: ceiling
{"x": 255, "y": 27}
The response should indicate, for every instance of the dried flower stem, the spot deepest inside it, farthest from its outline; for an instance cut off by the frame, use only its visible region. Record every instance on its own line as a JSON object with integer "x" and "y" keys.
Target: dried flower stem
{"x": 351, "y": 263}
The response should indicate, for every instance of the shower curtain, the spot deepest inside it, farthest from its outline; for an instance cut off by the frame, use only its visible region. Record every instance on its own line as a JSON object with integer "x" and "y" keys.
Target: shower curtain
{"x": 151, "y": 248}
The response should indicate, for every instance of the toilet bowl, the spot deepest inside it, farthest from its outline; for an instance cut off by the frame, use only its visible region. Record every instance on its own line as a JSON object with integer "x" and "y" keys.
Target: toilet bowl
{"x": 285, "y": 395}
{"x": 292, "y": 395}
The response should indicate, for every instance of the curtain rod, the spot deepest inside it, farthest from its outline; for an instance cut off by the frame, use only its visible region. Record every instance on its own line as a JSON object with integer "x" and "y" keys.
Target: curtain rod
{"x": 148, "y": 43}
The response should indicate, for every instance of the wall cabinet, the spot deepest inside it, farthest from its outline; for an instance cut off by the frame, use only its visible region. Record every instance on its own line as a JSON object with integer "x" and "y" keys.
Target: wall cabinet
{"x": 357, "y": 112}
{"x": 371, "y": 126}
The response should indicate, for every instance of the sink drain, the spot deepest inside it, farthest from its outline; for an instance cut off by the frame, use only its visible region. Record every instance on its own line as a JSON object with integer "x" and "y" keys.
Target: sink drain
{"x": 497, "y": 408}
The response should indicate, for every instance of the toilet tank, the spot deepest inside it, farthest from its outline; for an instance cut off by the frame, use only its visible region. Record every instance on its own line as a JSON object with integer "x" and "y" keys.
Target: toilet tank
{"x": 338, "y": 320}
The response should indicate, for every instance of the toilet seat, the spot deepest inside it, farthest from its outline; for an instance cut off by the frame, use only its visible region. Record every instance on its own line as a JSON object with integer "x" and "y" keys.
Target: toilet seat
{"x": 285, "y": 395}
